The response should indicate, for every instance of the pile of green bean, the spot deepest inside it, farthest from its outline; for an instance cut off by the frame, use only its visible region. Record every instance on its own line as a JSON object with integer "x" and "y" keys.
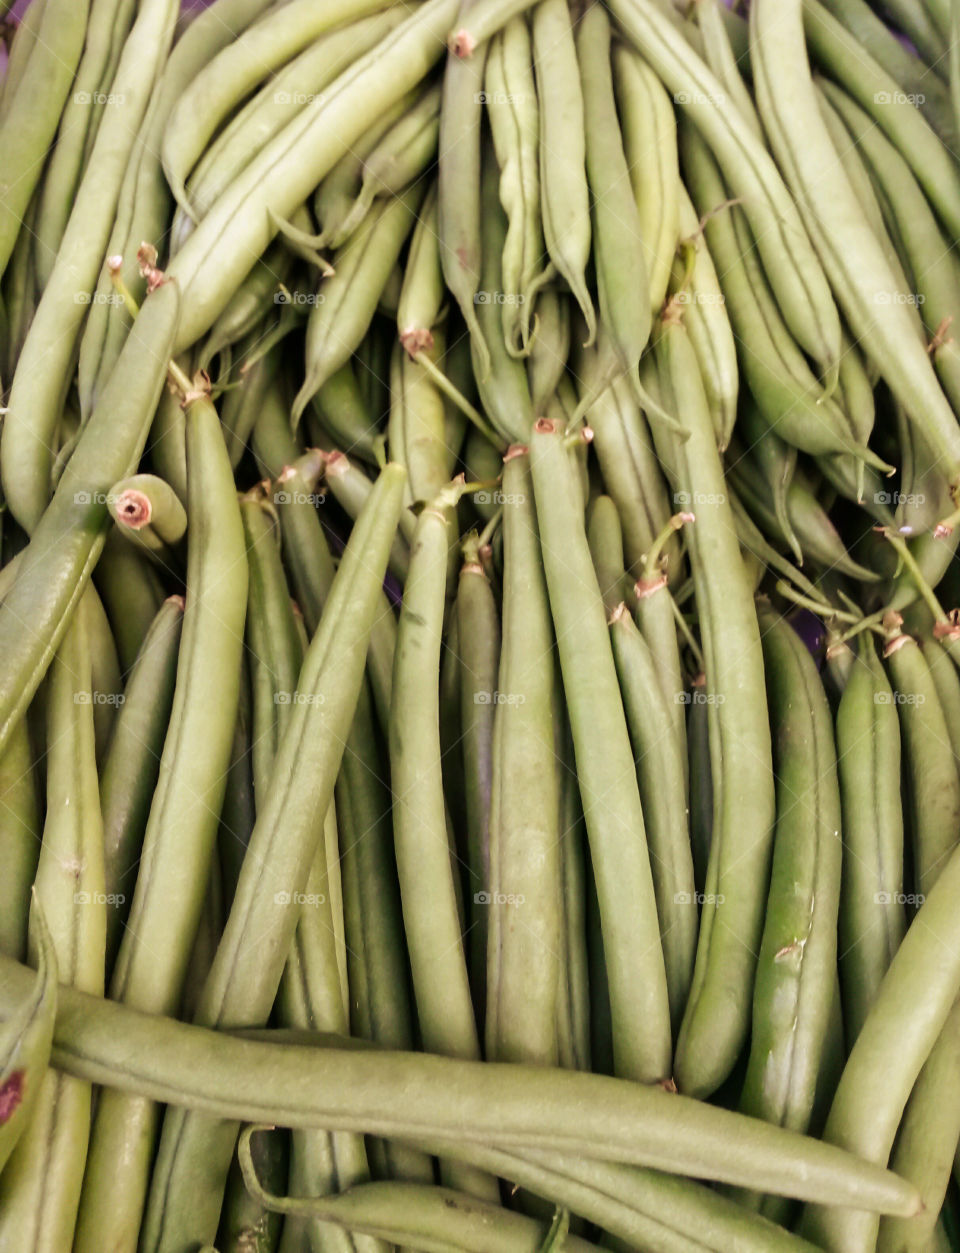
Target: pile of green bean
{"x": 479, "y": 665}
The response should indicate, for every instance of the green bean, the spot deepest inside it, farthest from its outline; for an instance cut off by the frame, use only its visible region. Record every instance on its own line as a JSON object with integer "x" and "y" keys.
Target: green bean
{"x": 573, "y": 997}
{"x": 377, "y": 968}
{"x": 194, "y": 1154}
{"x": 267, "y": 45}
{"x": 876, "y": 91}
{"x": 147, "y": 511}
{"x": 618, "y": 231}
{"x": 650, "y": 142}
{"x": 863, "y": 185}
{"x": 438, "y": 1219}
{"x": 564, "y": 191}
{"x": 606, "y": 548}
{"x": 872, "y": 919}
{"x": 422, "y": 293}
{"x": 918, "y": 25}
{"x": 459, "y": 195}
{"x": 109, "y": 23}
{"x": 215, "y": 258}
{"x": 717, "y": 1016}
{"x": 351, "y": 488}
{"x": 245, "y": 1226}
{"x": 434, "y": 941}
{"x": 908, "y": 70}
{"x": 40, "y": 1185}
{"x": 945, "y": 678}
{"x": 263, "y": 288}
{"x": 19, "y": 51}
{"x": 280, "y": 100}
{"x": 709, "y": 328}
{"x": 798, "y": 952}
{"x": 909, "y": 1012}
{"x": 549, "y": 348}
{"x": 525, "y": 877}
{"x": 416, "y": 428}
{"x": 608, "y": 784}
{"x": 338, "y": 323}
{"x": 171, "y": 886}
{"x": 25, "y": 1043}
{"x": 816, "y": 535}
{"x": 20, "y": 829}
{"x": 719, "y": 54}
{"x": 32, "y": 116}
{"x": 20, "y": 292}
{"x": 238, "y": 813}
{"x": 132, "y": 593}
{"x": 415, "y": 1095}
{"x": 513, "y": 110}
{"x": 504, "y": 390}
{"x": 68, "y": 541}
{"x": 853, "y": 258}
{"x": 938, "y": 288}
{"x": 789, "y": 260}
{"x": 107, "y": 690}
{"x": 930, "y": 769}
{"x": 131, "y": 765}
{"x": 927, "y": 1141}
{"x": 773, "y": 462}
{"x": 143, "y": 209}
{"x": 485, "y": 19}
{"x": 398, "y": 160}
{"x": 44, "y": 365}
{"x": 478, "y": 651}
{"x": 774, "y": 369}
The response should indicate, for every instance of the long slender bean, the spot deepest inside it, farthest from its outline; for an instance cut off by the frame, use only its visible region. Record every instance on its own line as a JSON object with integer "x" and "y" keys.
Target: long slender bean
{"x": 611, "y": 800}
{"x": 417, "y": 1095}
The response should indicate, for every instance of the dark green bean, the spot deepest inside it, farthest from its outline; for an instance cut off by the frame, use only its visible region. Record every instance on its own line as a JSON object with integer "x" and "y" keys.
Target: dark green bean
{"x": 20, "y": 829}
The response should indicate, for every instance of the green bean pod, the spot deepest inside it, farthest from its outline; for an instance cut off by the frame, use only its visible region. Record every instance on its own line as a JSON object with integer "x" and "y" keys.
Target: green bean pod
{"x": 131, "y": 591}
{"x": 937, "y": 285}
{"x": 478, "y": 651}
{"x": 422, "y": 294}
{"x": 398, "y": 160}
{"x": 564, "y": 191}
{"x": 280, "y": 100}
{"x": 409, "y": 1213}
{"x": 525, "y": 884}
{"x": 174, "y": 869}
{"x": 773, "y": 463}
{"x": 611, "y": 799}
{"x": 46, "y": 359}
{"x": 717, "y": 1017}
{"x": 351, "y": 488}
{"x": 32, "y": 116}
{"x": 573, "y": 997}
{"x": 650, "y": 143}
{"x": 789, "y": 260}
{"x": 65, "y": 546}
{"x": 847, "y": 61}
{"x": 148, "y": 512}
{"x": 344, "y": 1087}
{"x": 872, "y": 920}
{"x": 20, "y": 832}
{"x": 927, "y": 1141}
{"x": 853, "y": 258}
{"x": 909, "y": 1012}
{"x": 40, "y": 1185}
{"x": 503, "y": 388}
{"x": 933, "y": 784}
{"x": 338, "y": 323}
{"x": 245, "y": 1226}
{"x": 911, "y": 74}
{"x": 709, "y": 326}
{"x": 214, "y": 260}
{"x": 19, "y": 51}
{"x": 194, "y": 1154}
{"x": 798, "y": 951}
{"x": 132, "y": 763}
{"x": 267, "y": 45}
{"x": 720, "y": 55}
{"x": 109, "y": 23}
{"x": 514, "y": 113}
{"x": 459, "y": 194}
{"x": 25, "y": 1041}
{"x": 606, "y": 548}
{"x": 776, "y": 372}
{"x": 256, "y": 297}
{"x": 619, "y": 239}
{"x": 549, "y": 347}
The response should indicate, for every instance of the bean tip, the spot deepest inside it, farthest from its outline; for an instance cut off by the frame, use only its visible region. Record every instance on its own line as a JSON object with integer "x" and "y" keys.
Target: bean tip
{"x": 461, "y": 43}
